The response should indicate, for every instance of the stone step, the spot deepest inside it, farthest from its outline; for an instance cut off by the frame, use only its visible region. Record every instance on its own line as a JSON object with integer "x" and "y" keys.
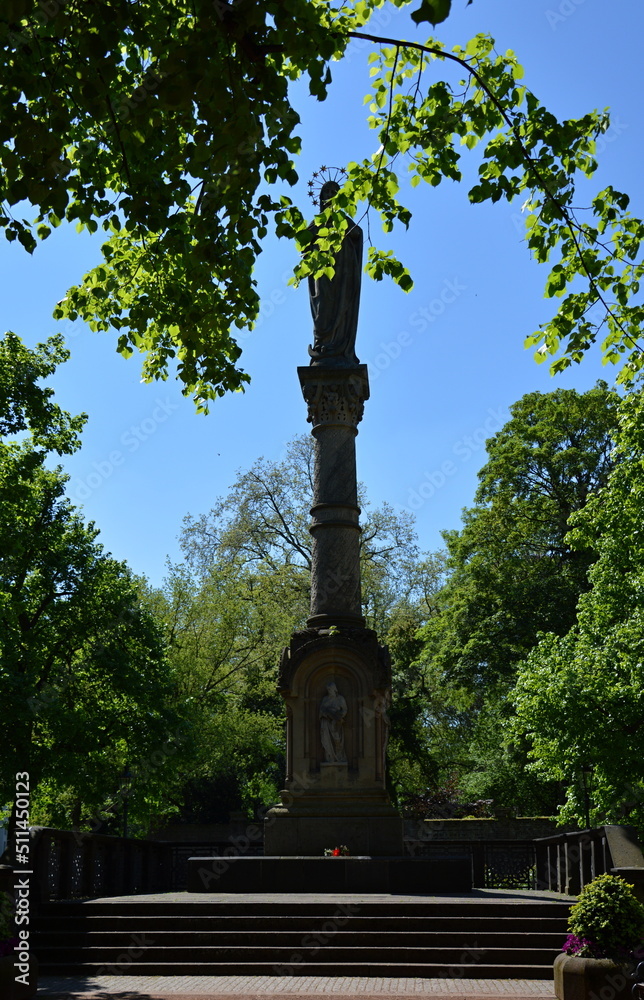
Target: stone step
{"x": 340, "y": 969}
{"x": 251, "y": 952}
{"x": 424, "y": 907}
{"x": 457, "y": 938}
{"x": 514, "y": 937}
{"x": 511, "y": 938}
{"x": 92, "y": 923}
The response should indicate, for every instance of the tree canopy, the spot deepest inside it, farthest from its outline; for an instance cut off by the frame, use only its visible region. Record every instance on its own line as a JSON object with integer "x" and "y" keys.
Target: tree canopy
{"x": 86, "y": 687}
{"x": 514, "y": 571}
{"x": 579, "y": 697}
{"x": 172, "y": 130}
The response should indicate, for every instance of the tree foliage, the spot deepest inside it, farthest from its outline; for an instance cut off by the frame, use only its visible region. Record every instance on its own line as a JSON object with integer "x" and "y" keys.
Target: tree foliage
{"x": 172, "y": 130}
{"x": 514, "y": 569}
{"x": 85, "y": 685}
{"x": 512, "y": 572}
{"x": 580, "y": 697}
{"x": 263, "y": 525}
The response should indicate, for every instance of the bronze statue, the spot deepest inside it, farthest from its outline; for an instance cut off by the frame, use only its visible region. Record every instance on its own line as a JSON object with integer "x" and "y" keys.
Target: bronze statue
{"x": 335, "y": 301}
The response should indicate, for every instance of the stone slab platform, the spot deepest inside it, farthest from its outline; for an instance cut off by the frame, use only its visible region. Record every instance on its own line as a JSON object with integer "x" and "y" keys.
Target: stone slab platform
{"x": 330, "y": 875}
{"x": 487, "y": 897}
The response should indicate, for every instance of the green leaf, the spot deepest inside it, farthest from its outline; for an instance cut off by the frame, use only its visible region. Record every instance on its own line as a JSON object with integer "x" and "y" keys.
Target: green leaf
{"x": 434, "y": 11}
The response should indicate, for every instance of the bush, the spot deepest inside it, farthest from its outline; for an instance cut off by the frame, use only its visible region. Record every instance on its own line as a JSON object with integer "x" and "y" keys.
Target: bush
{"x": 608, "y": 921}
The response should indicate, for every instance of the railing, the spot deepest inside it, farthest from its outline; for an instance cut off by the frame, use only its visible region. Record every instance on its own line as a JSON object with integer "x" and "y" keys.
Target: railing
{"x": 567, "y": 862}
{"x": 68, "y": 864}
{"x": 180, "y": 853}
{"x": 496, "y": 864}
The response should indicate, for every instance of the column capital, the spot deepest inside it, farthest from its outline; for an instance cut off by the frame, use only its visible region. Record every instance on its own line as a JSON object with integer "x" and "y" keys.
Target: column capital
{"x": 334, "y": 395}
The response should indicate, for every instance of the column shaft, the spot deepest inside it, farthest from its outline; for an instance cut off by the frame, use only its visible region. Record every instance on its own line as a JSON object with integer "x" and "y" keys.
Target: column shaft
{"x": 335, "y": 400}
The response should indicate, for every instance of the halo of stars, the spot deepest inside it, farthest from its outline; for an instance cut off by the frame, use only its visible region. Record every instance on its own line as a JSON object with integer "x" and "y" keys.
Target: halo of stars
{"x": 320, "y": 177}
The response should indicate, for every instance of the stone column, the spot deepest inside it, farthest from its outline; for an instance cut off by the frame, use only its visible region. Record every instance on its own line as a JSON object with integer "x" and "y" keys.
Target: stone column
{"x": 343, "y": 801}
{"x": 335, "y": 399}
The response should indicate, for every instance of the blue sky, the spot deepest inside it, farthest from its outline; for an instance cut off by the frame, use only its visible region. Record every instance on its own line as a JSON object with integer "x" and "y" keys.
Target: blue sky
{"x": 446, "y": 360}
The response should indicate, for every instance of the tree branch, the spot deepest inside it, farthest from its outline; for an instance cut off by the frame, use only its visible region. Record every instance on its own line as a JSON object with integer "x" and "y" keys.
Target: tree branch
{"x": 569, "y": 219}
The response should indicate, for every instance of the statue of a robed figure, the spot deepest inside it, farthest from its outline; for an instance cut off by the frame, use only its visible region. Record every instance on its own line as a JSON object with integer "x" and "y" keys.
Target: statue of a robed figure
{"x": 335, "y": 301}
{"x": 332, "y": 712}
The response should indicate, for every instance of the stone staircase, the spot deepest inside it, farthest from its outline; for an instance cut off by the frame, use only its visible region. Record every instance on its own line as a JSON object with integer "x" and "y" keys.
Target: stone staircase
{"x": 501, "y": 938}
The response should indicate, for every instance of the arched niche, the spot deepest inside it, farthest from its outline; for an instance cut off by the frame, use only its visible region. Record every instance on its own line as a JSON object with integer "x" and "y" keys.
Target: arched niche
{"x": 309, "y": 686}
{"x": 314, "y": 690}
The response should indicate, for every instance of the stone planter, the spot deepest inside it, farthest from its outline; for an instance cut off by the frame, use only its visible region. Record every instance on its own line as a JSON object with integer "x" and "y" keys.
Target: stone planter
{"x": 9, "y": 988}
{"x": 590, "y": 979}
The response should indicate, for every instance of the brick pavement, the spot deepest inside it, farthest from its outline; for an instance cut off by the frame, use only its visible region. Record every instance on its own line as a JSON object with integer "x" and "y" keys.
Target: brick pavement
{"x": 291, "y": 987}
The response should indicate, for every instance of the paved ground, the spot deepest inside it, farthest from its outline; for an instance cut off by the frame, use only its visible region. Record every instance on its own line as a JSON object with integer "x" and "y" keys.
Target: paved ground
{"x": 291, "y": 987}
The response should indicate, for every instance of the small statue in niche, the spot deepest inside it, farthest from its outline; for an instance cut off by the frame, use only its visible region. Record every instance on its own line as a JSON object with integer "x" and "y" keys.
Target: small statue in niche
{"x": 333, "y": 709}
{"x": 335, "y": 301}
{"x": 385, "y": 725}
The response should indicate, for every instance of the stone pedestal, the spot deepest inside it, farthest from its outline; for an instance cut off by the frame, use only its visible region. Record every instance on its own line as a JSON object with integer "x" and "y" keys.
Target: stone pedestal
{"x": 325, "y": 803}
{"x": 333, "y": 875}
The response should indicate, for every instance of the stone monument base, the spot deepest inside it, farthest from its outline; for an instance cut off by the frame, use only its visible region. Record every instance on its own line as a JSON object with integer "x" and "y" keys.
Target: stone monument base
{"x": 408, "y": 876}
{"x": 373, "y": 835}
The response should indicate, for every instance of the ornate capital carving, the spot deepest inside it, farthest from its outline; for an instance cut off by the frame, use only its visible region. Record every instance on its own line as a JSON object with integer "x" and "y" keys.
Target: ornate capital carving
{"x": 335, "y": 396}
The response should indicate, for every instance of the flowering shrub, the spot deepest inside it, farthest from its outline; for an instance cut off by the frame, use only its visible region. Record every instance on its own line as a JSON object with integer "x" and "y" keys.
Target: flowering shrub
{"x": 606, "y": 922}
{"x": 582, "y": 947}
{"x": 336, "y": 852}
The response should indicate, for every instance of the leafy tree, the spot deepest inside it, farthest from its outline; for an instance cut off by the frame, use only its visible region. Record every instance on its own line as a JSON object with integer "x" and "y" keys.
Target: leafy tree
{"x": 494, "y": 765}
{"x": 263, "y": 524}
{"x": 224, "y": 629}
{"x": 26, "y": 406}
{"x": 579, "y": 697}
{"x": 515, "y": 572}
{"x": 173, "y": 131}
{"x": 85, "y": 685}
